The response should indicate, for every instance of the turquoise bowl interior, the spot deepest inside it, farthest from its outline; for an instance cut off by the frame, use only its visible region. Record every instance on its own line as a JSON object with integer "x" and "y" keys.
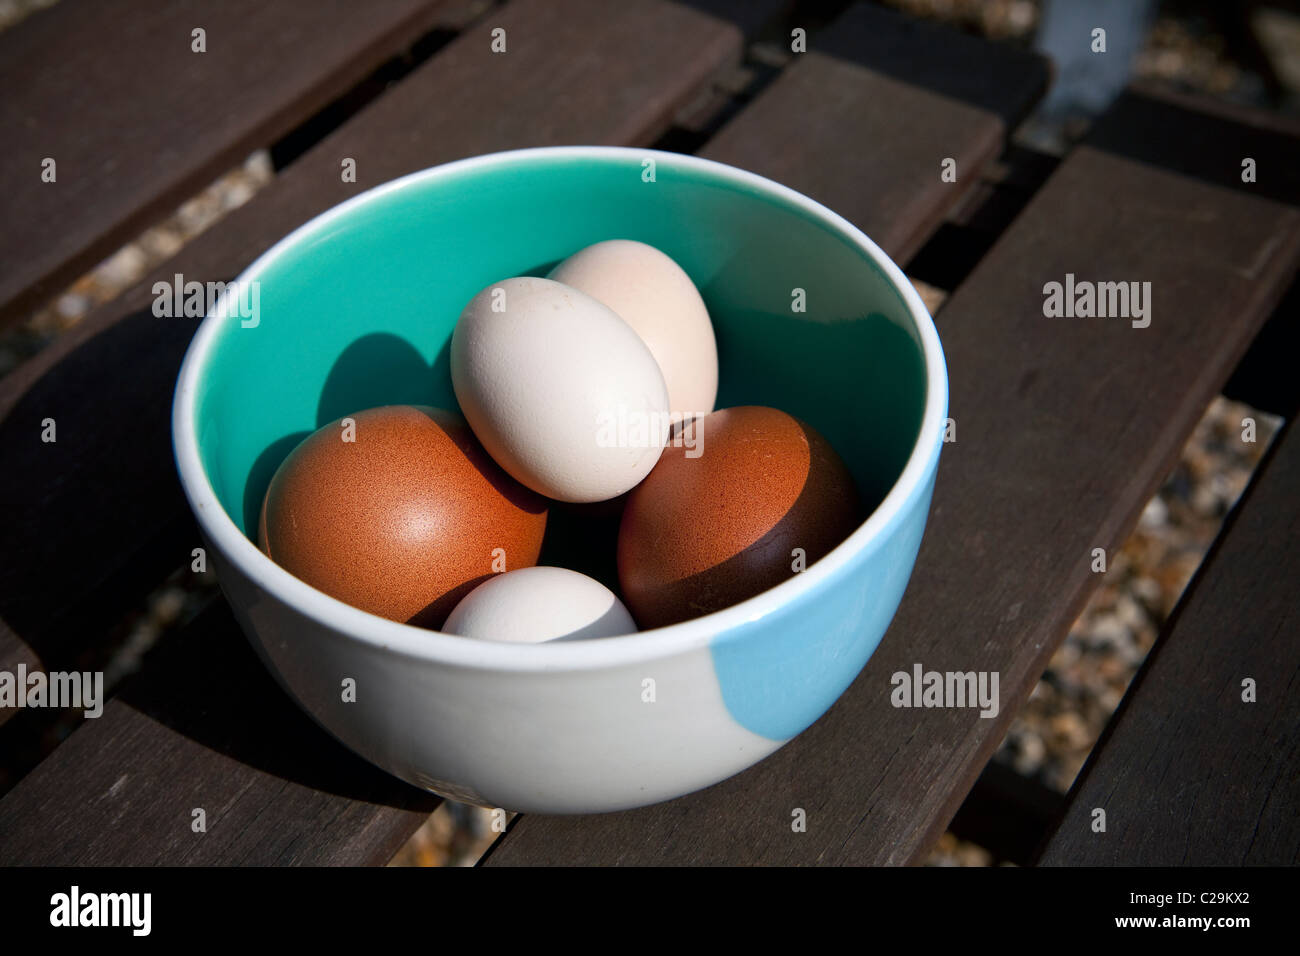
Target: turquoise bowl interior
{"x": 357, "y": 308}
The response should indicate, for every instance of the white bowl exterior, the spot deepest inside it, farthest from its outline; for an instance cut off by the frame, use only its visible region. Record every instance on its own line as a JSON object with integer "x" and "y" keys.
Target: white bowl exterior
{"x": 566, "y": 741}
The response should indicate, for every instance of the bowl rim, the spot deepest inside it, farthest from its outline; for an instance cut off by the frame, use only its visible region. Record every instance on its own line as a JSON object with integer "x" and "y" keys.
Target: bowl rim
{"x": 437, "y": 647}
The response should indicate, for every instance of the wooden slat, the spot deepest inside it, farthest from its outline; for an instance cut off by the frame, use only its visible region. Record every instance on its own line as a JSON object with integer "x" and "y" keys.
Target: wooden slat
{"x": 1064, "y": 427}
{"x": 1154, "y": 128}
{"x": 1188, "y": 773}
{"x": 630, "y": 67}
{"x": 224, "y": 739}
{"x": 1207, "y": 138}
{"x": 997, "y": 78}
{"x": 838, "y": 128}
{"x": 137, "y": 122}
{"x": 985, "y": 212}
{"x": 749, "y": 16}
{"x": 14, "y": 651}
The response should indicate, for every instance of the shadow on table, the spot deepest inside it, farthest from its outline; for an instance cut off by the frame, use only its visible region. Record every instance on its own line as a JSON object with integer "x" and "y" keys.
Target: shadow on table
{"x": 1164, "y": 133}
{"x": 208, "y": 684}
{"x": 76, "y": 562}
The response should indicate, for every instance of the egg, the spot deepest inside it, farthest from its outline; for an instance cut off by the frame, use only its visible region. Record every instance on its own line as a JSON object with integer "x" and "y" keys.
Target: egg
{"x": 562, "y": 392}
{"x": 759, "y": 498}
{"x": 532, "y": 605}
{"x": 655, "y": 296}
{"x": 400, "y": 513}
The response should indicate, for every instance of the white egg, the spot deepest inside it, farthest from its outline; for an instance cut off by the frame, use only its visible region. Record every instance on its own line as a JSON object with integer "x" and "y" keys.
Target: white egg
{"x": 532, "y": 605}
{"x": 560, "y": 390}
{"x": 655, "y": 296}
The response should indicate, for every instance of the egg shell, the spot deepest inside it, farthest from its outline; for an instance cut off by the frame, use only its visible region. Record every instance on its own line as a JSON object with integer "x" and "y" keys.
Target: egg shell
{"x": 560, "y": 390}
{"x": 654, "y": 295}
{"x": 532, "y": 605}
{"x": 703, "y": 533}
{"x": 401, "y": 522}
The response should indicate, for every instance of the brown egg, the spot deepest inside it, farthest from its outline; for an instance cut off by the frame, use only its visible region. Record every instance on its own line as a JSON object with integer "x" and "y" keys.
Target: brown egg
{"x": 701, "y": 534}
{"x": 404, "y": 520}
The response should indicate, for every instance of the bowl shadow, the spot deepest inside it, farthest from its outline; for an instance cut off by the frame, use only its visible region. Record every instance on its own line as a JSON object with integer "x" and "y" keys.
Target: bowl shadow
{"x": 208, "y": 684}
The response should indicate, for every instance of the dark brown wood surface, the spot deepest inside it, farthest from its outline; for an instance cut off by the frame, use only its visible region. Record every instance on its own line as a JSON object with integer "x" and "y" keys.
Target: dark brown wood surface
{"x": 1064, "y": 429}
{"x": 842, "y": 125}
{"x": 14, "y": 651}
{"x": 997, "y": 78}
{"x": 206, "y": 728}
{"x": 629, "y": 67}
{"x": 749, "y": 16}
{"x": 136, "y": 121}
{"x": 1189, "y": 773}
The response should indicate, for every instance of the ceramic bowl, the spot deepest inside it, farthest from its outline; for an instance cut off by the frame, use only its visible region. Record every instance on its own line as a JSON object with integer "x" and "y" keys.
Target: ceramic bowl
{"x": 356, "y": 309}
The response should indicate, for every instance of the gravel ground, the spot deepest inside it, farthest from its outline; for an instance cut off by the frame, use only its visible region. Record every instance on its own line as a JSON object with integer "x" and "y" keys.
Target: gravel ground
{"x": 1052, "y": 736}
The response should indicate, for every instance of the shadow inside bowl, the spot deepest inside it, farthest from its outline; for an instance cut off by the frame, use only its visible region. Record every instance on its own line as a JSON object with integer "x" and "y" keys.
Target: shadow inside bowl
{"x": 259, "y": 478}
{"x": 376, "y": 369}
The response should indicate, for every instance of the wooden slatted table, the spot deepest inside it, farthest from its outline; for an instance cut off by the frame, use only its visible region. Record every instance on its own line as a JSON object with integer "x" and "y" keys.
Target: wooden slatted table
{"x": 1065, "y": 427}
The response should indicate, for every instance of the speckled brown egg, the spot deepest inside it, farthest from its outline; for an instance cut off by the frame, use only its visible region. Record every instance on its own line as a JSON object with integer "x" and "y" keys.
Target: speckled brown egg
{"x": 404, "y": 520}
{"x": 702, "y": 533}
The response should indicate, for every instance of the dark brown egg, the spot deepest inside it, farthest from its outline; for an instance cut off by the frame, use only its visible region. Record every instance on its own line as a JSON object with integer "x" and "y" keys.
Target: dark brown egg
{"x": 403, "y": 520}
{"x": 765, "y": 496}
